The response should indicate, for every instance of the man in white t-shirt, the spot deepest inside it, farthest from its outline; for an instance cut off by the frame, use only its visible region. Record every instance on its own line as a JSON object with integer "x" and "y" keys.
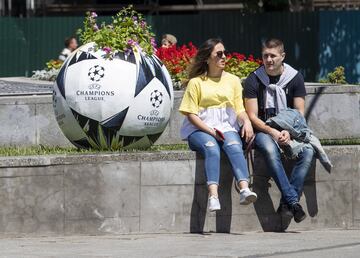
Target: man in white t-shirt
{"x": 70, "y": 45}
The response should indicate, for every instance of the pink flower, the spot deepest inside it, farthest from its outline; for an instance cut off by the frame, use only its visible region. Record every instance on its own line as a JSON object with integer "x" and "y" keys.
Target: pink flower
{"x": 93, "y": 15}
{"x": 107, "y": 49}
{"x": 131, "y": 42}
{"x": 153, "y": 43}
{"x": 95, "y": 27}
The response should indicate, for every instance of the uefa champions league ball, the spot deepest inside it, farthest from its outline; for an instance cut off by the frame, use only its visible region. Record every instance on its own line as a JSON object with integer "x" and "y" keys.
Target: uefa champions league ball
{"x": 111, "y": 104}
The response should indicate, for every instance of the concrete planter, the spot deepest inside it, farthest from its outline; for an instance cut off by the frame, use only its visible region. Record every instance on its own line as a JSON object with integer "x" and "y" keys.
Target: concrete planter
{"x": 161, "y": 192}
{"x": 28, "y": 119}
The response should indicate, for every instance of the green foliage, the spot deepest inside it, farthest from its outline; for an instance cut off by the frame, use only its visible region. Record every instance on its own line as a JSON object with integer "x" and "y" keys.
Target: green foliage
{"x": 238, "y": 65}
{"x": 241, "y": 69}
{"x": 127, "y": 32}
{"x": 54, "y": 64}
{"x": 43, "y": 150}
{"x": 335, "y": 77}
{"x": 346, "y": 141}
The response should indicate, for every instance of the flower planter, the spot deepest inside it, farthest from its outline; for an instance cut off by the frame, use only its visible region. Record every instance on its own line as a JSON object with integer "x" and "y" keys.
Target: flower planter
{"x": 106, "y": 103}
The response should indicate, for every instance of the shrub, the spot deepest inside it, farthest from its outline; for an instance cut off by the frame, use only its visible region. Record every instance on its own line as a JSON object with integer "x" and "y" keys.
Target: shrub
{"x": 127, "y": 32}
{"x": 50, "y": 72}
{"x": 241, "y": 66}
{"x": 335, "y": 77}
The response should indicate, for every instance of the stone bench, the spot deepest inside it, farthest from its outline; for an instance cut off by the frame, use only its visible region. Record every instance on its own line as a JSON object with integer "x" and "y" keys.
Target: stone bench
{"x": 161, "y": 192}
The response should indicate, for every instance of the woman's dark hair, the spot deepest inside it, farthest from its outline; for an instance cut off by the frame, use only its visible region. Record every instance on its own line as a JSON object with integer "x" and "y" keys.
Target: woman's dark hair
{"x": 199, "y": 65}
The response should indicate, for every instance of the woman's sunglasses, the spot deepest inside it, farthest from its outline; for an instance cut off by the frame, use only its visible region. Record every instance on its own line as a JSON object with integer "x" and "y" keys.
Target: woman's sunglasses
{"x": 220, "y": 54}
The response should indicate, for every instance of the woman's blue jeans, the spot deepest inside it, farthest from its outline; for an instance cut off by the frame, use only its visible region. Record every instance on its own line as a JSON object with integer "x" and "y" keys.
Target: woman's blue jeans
{"x": 291, "y": 188}
{"x": 210, "y": 149}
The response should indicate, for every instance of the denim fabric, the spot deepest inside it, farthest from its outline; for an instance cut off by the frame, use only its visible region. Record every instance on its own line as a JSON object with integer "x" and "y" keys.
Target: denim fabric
{"x": 292, "y": 121}
{"x": 290, "y": 188}
{"x": 294, "y": 149}
{"x": 210, "y": 149}
{"x": 300, "y": 170}
{"x": 320, "y": 153}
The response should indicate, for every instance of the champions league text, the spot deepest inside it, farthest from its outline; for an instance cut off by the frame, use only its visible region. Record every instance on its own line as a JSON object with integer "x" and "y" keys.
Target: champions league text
{"x": 151, "y": 120}
{"x": 94, "y": 94}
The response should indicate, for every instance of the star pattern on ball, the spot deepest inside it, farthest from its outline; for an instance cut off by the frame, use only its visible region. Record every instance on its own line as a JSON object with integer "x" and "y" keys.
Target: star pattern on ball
{"x": 96, "y": 73}
{"x": 156, "y": 98}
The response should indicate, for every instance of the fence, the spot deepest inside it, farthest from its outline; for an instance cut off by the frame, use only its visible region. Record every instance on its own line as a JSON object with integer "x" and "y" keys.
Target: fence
{"x": 315, "y": 42}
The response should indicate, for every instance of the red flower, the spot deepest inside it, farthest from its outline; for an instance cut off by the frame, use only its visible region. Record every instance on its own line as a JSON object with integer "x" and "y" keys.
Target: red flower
{"x": 177, "y": 59}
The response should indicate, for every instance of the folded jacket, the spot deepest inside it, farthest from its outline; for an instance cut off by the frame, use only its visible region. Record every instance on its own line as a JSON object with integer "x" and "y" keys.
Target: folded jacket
{"x": 292, "y": 121}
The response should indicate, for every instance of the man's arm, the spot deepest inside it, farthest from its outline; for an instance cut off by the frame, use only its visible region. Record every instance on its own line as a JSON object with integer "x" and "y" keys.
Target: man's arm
{"x": 251, "y": 107}
{"x": 299, "y": 104}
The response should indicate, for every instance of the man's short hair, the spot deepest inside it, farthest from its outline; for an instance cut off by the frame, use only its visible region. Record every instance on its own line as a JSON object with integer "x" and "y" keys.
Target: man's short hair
{"x": 273, "y": 43}
{"x": 67, "y": 41}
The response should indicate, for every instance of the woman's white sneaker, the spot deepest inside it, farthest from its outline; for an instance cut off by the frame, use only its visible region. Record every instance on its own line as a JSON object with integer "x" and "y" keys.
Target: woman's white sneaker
{"x": 247, "y": 196}
{"x": 214, "y": 204}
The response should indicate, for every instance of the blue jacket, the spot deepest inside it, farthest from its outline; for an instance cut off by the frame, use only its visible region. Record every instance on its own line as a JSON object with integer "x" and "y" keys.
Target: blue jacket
{"x": 292, "y": 121}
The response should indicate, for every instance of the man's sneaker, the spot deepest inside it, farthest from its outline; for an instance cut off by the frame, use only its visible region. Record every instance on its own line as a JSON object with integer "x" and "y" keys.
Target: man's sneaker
{"x": 284, "y": 211}
{"x": 214, "y": 204}
{"x": 247, "y": 196}
{"x": 298, "y": 212}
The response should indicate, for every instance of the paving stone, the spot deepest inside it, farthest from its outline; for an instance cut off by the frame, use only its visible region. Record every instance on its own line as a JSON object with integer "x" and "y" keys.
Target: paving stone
{"x": 23, "y": 87}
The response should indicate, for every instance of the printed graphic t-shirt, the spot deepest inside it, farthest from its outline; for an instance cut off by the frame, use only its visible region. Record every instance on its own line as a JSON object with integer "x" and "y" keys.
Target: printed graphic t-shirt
{"x": 217, "y": 102}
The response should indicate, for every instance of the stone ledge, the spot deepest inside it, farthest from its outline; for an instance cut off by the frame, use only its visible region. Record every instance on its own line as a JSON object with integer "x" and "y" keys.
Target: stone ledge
{"x": 173, "y": 155}
{"x": 162, "y": 192}
{"x": 68, "y": 159}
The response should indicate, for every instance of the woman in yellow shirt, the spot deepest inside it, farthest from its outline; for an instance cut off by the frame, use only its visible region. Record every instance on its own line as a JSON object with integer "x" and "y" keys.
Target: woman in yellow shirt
{"x": 213, "y": 108}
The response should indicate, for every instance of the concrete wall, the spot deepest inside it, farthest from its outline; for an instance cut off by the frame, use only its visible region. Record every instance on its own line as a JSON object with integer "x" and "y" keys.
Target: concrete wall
{"x": 161, "y": 192}
{"x": 27, "y": 120}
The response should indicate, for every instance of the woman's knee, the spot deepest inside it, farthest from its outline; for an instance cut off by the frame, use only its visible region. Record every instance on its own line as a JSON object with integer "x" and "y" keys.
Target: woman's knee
{"x": 233, "y": 146}
{"x": 200, "y": 141}
{"x": 211, "y": 149}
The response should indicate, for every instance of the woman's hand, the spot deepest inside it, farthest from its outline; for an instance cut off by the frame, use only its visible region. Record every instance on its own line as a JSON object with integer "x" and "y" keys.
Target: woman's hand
{"x": 247, "y": 130}
{"x": 195, "y": 120}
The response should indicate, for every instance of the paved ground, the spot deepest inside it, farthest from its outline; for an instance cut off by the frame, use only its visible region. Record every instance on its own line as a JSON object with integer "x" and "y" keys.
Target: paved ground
{"x": 24, "y": 86}
{"x": 329, "y": 243}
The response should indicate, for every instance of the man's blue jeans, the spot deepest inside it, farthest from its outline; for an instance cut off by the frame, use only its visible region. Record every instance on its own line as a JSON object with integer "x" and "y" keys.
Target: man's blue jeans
{"x": 291, "y": 188}
{"x": 210, "y": 149}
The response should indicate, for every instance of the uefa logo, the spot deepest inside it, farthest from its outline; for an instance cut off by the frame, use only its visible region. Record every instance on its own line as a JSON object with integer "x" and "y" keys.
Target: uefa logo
{"x": 96, "y": 73}
{"x": 156, "y": 98}
{"x": 154, "y": 112}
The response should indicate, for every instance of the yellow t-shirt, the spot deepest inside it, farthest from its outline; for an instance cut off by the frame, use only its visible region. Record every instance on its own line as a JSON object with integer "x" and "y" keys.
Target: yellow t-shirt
{"x": 217, "y": 101}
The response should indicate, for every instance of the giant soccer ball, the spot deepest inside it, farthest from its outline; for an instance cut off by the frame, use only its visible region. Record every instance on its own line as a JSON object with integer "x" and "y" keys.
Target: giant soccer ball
{"x": 110, "y": 104}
